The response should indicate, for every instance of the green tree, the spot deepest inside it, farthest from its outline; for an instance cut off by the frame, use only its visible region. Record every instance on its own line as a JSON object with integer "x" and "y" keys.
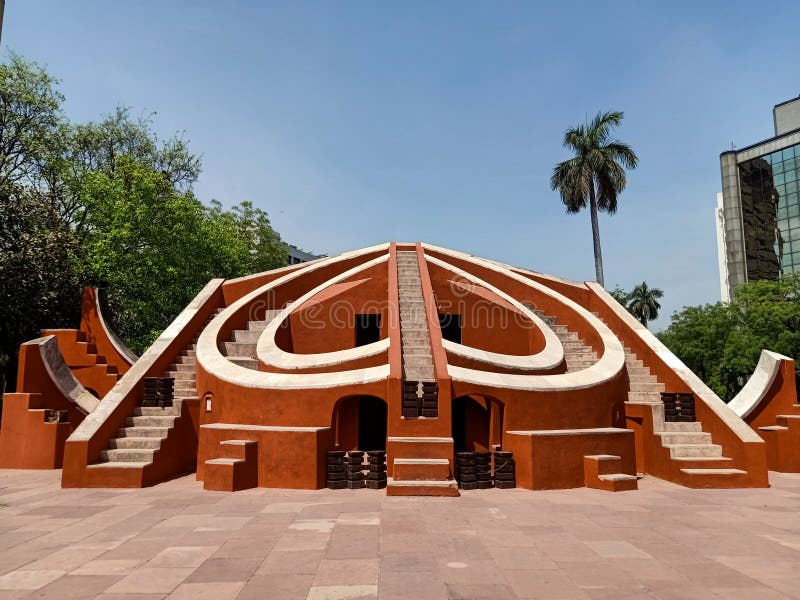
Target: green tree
{"x": 642, "y": 302}
{"x": 620, "y": 296}
{"x": 596, "y": 174}
{"x": 722, "y": 343}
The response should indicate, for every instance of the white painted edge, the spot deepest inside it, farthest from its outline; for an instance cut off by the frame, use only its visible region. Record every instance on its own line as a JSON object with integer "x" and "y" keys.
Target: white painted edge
{"x": 550, "y": 356}
{"x": 128, "y": 382}
{"x": 589, "y": 431}
{"x": 756, "y": 388}
{"x": 269, "y": 353}
{"x": 218, "y": 365}
{"x": 606, "y": 368}
{"x": 61, "y": 376}
{"x": 702, "y": 392}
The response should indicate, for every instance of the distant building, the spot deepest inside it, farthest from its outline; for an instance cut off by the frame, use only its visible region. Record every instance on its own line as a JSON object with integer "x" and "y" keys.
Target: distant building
{"x": 758, "y": 212}
{"x": 297, "y": 256}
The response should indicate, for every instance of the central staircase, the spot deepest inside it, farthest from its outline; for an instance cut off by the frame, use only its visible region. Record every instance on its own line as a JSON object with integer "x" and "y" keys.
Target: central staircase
{"x": 420, "y": 390}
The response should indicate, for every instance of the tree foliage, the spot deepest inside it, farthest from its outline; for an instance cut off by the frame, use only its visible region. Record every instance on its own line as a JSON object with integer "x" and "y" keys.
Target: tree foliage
{"x": 722, "y": 343}
{"x": 596, "y": 174}
{"x": 106, "y": 203}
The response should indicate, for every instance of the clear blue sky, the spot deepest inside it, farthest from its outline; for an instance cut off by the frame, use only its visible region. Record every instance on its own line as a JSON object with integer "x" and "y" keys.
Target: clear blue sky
{"x": 353, "y": 123}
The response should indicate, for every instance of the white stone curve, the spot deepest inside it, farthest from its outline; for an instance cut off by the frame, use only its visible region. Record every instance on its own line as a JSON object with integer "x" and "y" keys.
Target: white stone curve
{"x": 218, "y": 365}
{"x": 701, "y": 391}
{"x": 756, "y": 388}
{"x": 61, "y": 375}
{"x": 550, "y": 356}
{"x": 606, "y": 368}
{"x": 268, "y": 351}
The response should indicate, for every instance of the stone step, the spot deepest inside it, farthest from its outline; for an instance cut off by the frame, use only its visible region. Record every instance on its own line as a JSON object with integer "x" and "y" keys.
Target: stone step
{"x": 638, "y": 386}
{"x": 642, "y": 378}
{"x": 694, "y": 449}
{"x": 141, "y": 455}
{"x": 634, "y": 363}
{"x": 240, "y": 349}
{"x": 421, "y": 469}
{"x": 155, "y": 411}
{"x": 568, "y": 336}
{"x": 246, "y": 336}
{"x": 140, "y": 432}
{"x": 186, "y": 360}
{"x": 422, "y": 488}
{"x": 160, "y": 421}
{"x": 118, "y": 465}
{"x": 650, "y": 397}
{"x": 182, "y": 375}
{"x": 245, "y": 361}
{"x": 685, "y": 437}
{"x": 257, "y": 325}
{"x": 674, "y": 427}
{"x": 718, "y": 472}
{"x": 131, "y": 443}
{"x": 703, "y": 462}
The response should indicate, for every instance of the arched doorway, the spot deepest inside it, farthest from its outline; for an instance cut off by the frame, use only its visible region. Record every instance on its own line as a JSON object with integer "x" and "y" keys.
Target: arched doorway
{"x": 477, "y": 423}
{"x": 359, "y": 423}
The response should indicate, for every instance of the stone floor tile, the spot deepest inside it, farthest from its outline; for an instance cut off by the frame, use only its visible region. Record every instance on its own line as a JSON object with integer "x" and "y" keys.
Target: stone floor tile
{"x": 343, "y": 592}
{"x": 545, "y": 584}
{"x": 28, "y": 580}
{"x": 295, "y": 562}
{"x": 182, "y": 556}
{"x": 148, "y": 580}
{"x": 76, "y": 587}
{"x": 359, "y": 571}
{"x": 225, "y": 569}
{"x": 479, "y": 591}
{"x": 208, "y": 591}
{"x": 280, "y": 585}
{"x": 107, "y": 567}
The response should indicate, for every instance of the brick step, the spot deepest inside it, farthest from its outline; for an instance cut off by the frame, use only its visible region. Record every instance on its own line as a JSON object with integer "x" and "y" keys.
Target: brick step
{"x": 618, "y": 482}
{"x": 119, "y": 465}
{"x": 181, "y": 375}
{"x": 646, "y": 397}
{"x": 643, "y": 378}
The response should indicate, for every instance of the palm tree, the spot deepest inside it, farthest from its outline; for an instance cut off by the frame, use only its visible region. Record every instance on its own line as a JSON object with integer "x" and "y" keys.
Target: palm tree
{"x": 595, "y": 174}
{"x": 643, "y": 302}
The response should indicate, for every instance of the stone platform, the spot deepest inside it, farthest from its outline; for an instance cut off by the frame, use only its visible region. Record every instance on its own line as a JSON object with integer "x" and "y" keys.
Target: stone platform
{"x": 176, "y": 540}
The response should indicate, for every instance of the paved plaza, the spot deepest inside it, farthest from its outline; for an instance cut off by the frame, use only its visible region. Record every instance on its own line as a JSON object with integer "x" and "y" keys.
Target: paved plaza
{"x": 177, "y": 541}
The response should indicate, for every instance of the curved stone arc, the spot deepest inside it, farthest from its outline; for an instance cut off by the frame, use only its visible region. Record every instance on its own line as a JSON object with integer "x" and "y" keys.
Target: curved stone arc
{"x": 116, "y": 342}
{"x": 269, "y": 353}
{"x": 212, "y": 360}
{"x": 610, "y": 364}
{"x": 551, "y": 355}
{"x": 61, "y": 376}
{"x": 756, "y": 388}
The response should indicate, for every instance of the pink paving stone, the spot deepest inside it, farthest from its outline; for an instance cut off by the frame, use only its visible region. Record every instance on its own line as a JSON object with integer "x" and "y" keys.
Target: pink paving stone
{"x": 661, "y": 541}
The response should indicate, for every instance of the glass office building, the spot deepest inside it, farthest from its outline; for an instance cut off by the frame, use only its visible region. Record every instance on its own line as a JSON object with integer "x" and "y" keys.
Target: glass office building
{"x": 758, "y": 211}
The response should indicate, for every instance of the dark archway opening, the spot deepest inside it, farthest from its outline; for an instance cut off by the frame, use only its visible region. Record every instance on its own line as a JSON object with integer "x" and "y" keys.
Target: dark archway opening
{"x": 368, "y": 329}
{"x": 359, "y": 423}
{"x": 451, "y": 327}
{"x": 471, "y": 424}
